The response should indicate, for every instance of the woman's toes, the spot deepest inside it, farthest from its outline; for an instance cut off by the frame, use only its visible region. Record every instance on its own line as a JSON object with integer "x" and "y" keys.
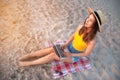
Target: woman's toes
{"x": 21, "y": 63}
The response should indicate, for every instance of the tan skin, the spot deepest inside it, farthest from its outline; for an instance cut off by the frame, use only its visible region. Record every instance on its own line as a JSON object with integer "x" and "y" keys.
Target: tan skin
{"x": 48, "y": 55}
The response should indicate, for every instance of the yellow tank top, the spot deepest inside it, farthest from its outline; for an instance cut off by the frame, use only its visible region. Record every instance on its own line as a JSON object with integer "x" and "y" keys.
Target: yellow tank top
{"x": 78, "y": 42}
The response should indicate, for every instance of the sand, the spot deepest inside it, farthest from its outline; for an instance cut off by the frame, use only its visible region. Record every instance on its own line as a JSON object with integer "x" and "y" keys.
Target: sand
{"x": 25, "y": 26}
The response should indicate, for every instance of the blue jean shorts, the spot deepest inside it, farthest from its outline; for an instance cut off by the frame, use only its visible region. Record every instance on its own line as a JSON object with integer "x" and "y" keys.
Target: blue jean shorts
{"x": 72, "y": 50}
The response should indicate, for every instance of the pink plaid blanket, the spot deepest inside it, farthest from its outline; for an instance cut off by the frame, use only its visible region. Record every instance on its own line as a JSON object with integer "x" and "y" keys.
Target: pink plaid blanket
{"x": 61, "y": 68}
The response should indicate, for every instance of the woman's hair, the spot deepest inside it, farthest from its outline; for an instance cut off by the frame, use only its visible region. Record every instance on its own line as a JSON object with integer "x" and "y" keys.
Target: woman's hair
{"x": 87, "y": 37}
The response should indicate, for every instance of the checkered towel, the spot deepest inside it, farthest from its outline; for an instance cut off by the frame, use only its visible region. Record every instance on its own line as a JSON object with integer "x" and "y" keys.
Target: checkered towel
{"x": 61, "y": 68}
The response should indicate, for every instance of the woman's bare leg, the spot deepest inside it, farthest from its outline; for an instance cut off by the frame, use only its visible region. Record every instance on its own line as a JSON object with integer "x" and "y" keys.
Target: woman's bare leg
{"x": 39, "y": 53}
{"x": 42, "y": 60}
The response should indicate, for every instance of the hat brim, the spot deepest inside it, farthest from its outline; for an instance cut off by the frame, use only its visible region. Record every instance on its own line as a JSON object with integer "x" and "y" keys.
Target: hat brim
{"x": 91, "y": 11}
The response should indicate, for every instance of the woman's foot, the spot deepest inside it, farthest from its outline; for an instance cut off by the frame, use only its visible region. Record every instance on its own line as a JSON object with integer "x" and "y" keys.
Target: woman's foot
{"x": 24, "y": 63}
{"x": 26, "y": 57}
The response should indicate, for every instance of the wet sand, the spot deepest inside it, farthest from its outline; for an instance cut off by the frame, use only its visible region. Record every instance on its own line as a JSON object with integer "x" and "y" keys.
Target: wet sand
{"x": 25, "y": 26}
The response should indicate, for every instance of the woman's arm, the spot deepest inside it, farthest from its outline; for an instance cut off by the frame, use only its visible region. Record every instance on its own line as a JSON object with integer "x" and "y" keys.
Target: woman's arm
{"x": 72, "y": 37}
{"x": 87, "y": 51}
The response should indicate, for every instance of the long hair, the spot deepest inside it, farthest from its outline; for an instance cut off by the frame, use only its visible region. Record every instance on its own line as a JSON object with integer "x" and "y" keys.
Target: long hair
{"x": 87, "y": 37}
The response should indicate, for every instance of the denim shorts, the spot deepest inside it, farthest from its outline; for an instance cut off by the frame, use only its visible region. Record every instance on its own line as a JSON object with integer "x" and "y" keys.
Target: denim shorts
{"x": 72, "y": 50}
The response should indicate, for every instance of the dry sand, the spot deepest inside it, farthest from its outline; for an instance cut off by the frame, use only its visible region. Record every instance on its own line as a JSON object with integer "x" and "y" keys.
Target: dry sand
{"x": 25, "y": 25}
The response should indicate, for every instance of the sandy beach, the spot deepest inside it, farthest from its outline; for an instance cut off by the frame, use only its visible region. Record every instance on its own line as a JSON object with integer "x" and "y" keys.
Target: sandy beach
{"x": 26, "y": 25}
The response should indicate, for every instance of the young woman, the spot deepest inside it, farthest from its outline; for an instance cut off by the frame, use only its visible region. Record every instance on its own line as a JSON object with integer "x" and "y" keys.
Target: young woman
{"x": 80, "y": 44}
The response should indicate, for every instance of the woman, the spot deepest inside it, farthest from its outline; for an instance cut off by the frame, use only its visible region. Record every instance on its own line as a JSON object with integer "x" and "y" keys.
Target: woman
{"x": 80, "y": 44}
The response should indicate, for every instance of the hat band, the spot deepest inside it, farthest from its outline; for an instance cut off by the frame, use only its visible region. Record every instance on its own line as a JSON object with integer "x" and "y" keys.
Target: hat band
{"x": 98, "y": 17}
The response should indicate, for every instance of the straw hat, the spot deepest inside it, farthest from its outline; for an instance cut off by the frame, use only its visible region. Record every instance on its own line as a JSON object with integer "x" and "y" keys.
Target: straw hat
{"x": 99, "y": 17}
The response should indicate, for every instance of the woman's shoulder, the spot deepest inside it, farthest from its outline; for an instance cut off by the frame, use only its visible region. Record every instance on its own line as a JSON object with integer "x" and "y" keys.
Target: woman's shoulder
{"x": 93, "y": 41}
{"x": 79, "y": 27}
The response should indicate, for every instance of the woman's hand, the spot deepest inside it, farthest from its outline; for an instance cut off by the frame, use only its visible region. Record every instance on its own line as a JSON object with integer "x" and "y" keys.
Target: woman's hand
{"x": 64, "y": 46}
{"x": 67, "y": 54}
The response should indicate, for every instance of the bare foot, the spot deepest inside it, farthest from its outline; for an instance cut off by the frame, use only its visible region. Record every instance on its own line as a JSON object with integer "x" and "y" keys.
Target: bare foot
{"x": 24, "y": 58}
{"x": 24, "y": 63}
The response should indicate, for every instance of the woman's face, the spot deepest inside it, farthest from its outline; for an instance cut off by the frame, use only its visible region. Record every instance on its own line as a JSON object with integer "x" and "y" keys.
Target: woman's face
{"x": 90, "y": 20}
